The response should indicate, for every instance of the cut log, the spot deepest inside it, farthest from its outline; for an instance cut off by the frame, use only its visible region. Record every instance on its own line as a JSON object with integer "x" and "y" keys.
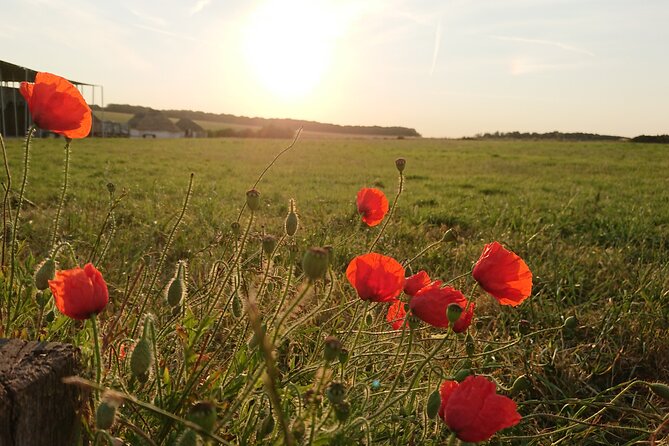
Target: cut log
{"x": 36, "y": 408}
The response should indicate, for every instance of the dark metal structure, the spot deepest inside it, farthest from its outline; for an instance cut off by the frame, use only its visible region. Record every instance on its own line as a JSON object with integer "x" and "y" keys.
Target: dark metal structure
{"x": 14, "y": 114}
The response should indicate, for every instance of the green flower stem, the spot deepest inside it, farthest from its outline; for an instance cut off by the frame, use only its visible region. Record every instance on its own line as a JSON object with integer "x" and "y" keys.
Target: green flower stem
{"x": 75, "y": 380}
{"x": 6, "y": 210}
{"x": 390, "y": 214}
{"x": 446, "y": 235}
{"x": 24, "y": 181}
{"x": 283, "y": 295}
{"x": 163, "y": 255}
{"x": 62, "y": 193}
{"x": 290, "y": 310}
{"x": 403, "y": 367}
{"x": 96, "y": 339}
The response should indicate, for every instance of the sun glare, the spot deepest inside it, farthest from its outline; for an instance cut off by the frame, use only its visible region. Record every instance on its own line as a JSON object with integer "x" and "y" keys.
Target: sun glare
{"x": 289, "y": 45}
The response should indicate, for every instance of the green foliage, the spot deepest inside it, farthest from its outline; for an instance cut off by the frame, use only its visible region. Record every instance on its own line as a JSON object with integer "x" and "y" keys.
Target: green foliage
{"x": 589, "y": 218}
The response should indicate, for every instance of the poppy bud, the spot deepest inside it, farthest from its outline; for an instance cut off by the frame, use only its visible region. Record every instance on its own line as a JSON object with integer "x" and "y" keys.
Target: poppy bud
{"x": 268, "y": 244}
{"x": 236, "y": 306}
{"x": 570, "y": 323}
{"x": 298, "y": 429}
{"x": 453, "y": 312}
{"x": 141, "y": 359}
{"x": 315, "y": 263}
{"x": 42, "y": 299}
{"x": 413, "y": 321}
{"x": 343, "y": 356}
{"x": 187, "y": 438}
{"x": 266, "y": 427}
{"x": 105, "y": 415}
{"x": 236, "y": 228}
{"x": 521, "y": 383}
{"x": 203, "y": 413}
{"x": 660, "y": 389}
{"x": 524, "y": 327}
{"x": 332, "y": 348}
{"x": 335, "y": 392}
{"x": 253, "y": 200}
{"x": 342, "y": 411}
{"x": 49, "y": 317}
{"x": 176, "y": 290}
{"x": 462, "y": 374}
{"x": 111, "y": 187}
{"x": 400, "y": 163}
{"x": 433, "y": 403}
{"x": 45, "y": 271}
{"x": 292, "y": 222}
{"x": 470, "y": 347}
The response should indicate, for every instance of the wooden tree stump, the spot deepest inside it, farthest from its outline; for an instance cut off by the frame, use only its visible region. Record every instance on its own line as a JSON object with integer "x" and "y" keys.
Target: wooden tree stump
{"x": 36, "y": 408}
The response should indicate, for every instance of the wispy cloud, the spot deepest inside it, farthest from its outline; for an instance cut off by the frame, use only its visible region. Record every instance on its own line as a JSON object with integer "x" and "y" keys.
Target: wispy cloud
{"x": 199, "y": 6}
{"x": 552, "y": 43}
{"x": 169, "y": 33}
{"x": 521, "y": 66}
{"x": 157, "y": 21}
{"x": 435, "y": 52}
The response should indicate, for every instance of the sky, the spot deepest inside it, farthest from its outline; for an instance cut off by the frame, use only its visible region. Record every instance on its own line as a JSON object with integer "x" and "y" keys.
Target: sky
{"x": 448, "y": 68}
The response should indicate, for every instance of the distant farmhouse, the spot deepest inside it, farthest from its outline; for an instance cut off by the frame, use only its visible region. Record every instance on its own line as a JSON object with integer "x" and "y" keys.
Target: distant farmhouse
{"x": 191, "y": 128}
{"x": 15, "y": 117}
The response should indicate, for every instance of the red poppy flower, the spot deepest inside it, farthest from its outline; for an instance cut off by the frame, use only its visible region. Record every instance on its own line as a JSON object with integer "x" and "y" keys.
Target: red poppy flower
{"x": 430, "y": 305}
{"x": 373, "y": 205}
{"x": 396, "y": 315}
{"x": 503, "y": 274}
{"x": 56, "y": 105}
{"x": 474, "y": 411}
{"x": 79, "y": 293}
{"x": 376, "y": 277}
{"x": 414, "y": 283}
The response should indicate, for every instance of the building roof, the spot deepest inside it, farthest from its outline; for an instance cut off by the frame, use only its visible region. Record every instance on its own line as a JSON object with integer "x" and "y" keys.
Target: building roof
{"x": 189, "y": 124}
{"x": 10, "y": 72}
{"x": 153, "y": 120}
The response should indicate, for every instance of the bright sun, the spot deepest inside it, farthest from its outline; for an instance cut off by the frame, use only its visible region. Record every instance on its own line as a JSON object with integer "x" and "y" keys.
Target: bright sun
{"x": 290, "y": 45}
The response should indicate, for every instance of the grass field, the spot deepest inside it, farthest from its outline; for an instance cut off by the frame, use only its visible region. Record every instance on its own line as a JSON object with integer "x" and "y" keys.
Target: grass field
{"x": 590, "y": 219}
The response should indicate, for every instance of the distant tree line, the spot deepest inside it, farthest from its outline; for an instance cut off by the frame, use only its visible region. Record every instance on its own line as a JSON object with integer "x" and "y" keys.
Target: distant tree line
{"x": 576, "y": 136}
{"x": 290, "y": 124}
{"x": 657, "y": 139}
{"x": 268, "y": 131}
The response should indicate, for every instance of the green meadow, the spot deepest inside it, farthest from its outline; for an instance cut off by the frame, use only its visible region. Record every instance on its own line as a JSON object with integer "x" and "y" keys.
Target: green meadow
{"x": 590, "y": 219}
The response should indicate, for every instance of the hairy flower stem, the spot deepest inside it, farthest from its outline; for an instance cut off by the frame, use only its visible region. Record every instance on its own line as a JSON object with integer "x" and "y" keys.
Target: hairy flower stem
{"x": 96, "y": 340}
{"x": 357, "y": 336}
{"x": 163, "y": 255}
{"x": 283, "y": 295}
{"x": 390, "y": 214}
{"x": 444, "y": 238}
{"x": 403, "y": 367}
{"x": 232, "y": 266}
{"x": 59, "y": 209}
{"x": 24, "y": 181}
{"x": 413, "y": 382}
{"x": 6, "y": 210}
{"x": 290, "y": 310}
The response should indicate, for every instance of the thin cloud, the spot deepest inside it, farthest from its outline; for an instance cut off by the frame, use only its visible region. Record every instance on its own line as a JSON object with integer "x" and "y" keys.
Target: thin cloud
{"x": 437, "y": 42}
{"x": 199, "y": 6}
{"x": 560, "y": 45}
{"x": 169, "y": 33}
{"x": 148, "y": 18}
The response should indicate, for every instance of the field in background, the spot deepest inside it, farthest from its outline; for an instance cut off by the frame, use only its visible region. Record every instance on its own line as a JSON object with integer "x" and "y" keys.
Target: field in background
{"x": 590, "y": 219}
